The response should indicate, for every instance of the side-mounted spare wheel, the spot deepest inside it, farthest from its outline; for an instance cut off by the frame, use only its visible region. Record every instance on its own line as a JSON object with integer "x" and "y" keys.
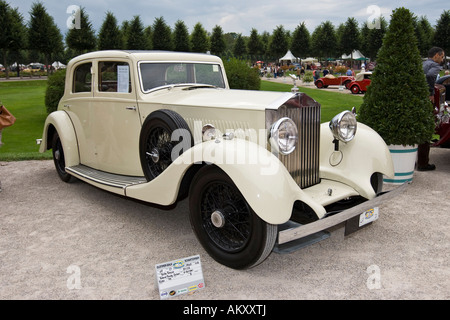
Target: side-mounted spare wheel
{"x": 164, "y": 137}
{"x": 225, "y": 224}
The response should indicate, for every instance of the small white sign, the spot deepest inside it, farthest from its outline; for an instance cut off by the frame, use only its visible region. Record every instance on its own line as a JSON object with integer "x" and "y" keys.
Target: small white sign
{"x": 368, "y": 216}
{"x": 123, "y": 79}
{"x": 179, "y": 276}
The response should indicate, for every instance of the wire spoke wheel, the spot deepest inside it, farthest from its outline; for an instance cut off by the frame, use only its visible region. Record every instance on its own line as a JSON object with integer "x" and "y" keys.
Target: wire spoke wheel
{"x": 156, "y": 141}
{"x": 233, "y": 230}
{"x": 225, "y": 224}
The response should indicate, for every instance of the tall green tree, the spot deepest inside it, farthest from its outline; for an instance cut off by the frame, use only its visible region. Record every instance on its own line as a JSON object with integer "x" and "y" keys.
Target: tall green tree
{"x": 300, "y": 46}
{"x": 181, "y": 37}
{"x": 44, "y": 35}
{"x": 279, "y": 43}
{"x": 199, "y": 39}
{"x": 324, "y": 40}
{"x": 372, "y": 38}
{"x": 12, "y": 36}
{"x": 217, "y": 40}
{"x": 350, "y": 38}
{"x": 254, "y": 44}
{"x": 425, "y": 34}
{"x": 396, "y": 104}
{"x": 442, "y": 34}
{"x": 82, "y": 40}
{"x": 240, "y": 48}
{"x": 110, "y": 36}
{"x": 162, "y": 35}
{"x": 136, "y": 39}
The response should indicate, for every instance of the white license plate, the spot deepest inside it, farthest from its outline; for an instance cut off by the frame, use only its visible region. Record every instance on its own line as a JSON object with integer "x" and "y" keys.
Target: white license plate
{"x": 368, "y": 216}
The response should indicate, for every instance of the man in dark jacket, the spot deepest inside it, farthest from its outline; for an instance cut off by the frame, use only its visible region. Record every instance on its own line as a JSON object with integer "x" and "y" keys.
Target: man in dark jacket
{"x": 431, "y": 68}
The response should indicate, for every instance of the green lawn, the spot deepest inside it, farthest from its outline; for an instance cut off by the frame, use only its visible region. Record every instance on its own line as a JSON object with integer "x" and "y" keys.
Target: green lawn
{"x": 331, "y": 103}
{"x": 25, "y": 100}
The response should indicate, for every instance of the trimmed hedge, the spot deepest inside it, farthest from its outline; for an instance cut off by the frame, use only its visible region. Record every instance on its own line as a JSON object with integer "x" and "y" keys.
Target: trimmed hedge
{"x": 241, "y": 76}
{"x": 55, "y": 90}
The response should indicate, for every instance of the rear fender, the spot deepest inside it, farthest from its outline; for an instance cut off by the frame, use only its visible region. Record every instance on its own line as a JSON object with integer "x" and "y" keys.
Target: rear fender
{"x": 60, "y": 122}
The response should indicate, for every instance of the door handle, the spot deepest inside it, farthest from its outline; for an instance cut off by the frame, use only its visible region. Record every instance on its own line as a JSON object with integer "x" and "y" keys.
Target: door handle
{"x": 131, "y": 108}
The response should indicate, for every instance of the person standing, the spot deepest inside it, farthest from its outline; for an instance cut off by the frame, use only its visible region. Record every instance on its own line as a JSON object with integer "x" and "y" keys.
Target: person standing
{"x": 431, "y": 68}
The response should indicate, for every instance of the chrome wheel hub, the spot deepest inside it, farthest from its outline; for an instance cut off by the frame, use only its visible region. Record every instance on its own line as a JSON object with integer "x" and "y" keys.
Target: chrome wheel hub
{"x": 217, "y": 219}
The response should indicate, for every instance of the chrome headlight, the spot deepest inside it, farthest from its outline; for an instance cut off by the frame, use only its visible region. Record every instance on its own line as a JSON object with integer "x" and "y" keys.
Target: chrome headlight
{"x": 284, "y": 135}
{"x": 343, "y": 126}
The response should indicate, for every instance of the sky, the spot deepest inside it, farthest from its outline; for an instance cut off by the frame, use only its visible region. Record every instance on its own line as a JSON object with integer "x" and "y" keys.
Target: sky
{"x": 238, "y": 16}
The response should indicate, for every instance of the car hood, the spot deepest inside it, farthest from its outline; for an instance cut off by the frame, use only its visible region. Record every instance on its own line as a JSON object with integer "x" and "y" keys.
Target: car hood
{"x": 218, "y": 98}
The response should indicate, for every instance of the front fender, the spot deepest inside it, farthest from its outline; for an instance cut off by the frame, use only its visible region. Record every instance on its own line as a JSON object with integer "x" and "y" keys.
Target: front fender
{"x": 60, "y": 122}
{"x": 356, "y": 161}
{"x": 261, "y": 178}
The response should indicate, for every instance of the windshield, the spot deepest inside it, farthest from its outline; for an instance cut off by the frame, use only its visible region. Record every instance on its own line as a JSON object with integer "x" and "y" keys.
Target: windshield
{"x": 155, "y": 75}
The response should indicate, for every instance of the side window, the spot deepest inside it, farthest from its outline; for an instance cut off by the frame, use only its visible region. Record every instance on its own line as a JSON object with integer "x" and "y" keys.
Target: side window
{"x": 82, "y": 78}
{"x": 114, "y": 77}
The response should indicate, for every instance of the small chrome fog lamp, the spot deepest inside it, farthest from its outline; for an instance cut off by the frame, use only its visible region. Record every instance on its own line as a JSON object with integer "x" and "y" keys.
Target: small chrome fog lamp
{"x": 208, "y": 132}
{"x": 343, "y": 126}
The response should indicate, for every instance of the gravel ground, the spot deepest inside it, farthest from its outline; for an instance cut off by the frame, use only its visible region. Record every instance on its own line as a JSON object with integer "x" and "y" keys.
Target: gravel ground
{"x": 51, "y": 231}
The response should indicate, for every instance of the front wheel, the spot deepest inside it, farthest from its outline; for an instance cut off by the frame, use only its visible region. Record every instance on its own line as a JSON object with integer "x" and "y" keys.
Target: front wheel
{"x": 225, "y": 224}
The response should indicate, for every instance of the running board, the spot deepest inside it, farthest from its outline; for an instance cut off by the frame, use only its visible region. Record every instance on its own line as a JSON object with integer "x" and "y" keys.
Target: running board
{"x": 104, "y": 178}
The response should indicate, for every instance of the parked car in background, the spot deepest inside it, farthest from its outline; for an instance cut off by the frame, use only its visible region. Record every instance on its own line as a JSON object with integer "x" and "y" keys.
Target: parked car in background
{"x": 445, "y": 81}
{"x": 257, "y": 166}
{"x": 331, "y": 80}
{"x": 361, "y": 82}
{"x": 442, "y": 114}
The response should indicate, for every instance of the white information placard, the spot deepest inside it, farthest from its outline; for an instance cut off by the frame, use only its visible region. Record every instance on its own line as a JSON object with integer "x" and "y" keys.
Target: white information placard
{"x": 123, "y": 79}
{"x": 179, "y": 276}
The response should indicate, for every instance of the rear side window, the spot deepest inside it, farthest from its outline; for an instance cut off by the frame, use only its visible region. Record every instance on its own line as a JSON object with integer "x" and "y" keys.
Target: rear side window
{"x": 114, "y": 77}
{"x": 82, "y": 78}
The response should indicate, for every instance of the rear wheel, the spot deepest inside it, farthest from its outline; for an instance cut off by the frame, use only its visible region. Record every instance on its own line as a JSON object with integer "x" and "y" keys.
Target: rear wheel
{"x": 355, "y": 89}
{"x": 59, "y": 159}
{"x": 225, "y": 224}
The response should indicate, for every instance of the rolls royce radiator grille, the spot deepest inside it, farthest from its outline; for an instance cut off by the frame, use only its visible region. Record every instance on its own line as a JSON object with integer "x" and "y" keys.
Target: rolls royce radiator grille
{"x": 303, "y": 162}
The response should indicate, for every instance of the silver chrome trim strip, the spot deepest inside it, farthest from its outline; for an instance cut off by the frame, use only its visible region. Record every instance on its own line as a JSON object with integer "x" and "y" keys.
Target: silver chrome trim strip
{"x": 328, "y": 222}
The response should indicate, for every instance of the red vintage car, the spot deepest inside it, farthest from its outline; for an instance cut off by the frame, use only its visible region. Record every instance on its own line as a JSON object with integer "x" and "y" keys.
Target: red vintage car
{"x": 330, "y": 80}
{"x": 442, "y": 116}
{"x": 361, "y": 82}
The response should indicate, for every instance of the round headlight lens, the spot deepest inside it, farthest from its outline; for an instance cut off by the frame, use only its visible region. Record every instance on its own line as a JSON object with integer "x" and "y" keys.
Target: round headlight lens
{"x": 343, "y": 126}
{"x": 284, "y": 135}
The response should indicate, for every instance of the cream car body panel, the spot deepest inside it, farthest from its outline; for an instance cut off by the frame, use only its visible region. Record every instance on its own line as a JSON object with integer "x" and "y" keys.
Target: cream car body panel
{"x": 61, "y": 122}
{"x": 265, "y": 182}
{"x": 119, "y": 122}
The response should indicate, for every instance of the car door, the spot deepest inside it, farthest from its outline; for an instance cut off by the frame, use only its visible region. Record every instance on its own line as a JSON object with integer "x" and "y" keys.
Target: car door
{"x": 78, "y": 105}
{"x": 115, "y": 118}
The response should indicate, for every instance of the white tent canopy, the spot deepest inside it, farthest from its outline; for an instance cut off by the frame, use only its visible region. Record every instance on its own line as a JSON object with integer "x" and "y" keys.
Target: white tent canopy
{"x": 58, "y": 65}
{"x": 356, "y": 55}
{"x": 309, "y": 60}
{"x": 289, "y": 56}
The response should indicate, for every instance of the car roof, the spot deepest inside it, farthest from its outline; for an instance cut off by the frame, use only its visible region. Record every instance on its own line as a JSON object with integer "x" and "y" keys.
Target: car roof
{"x": 148, "y": 55}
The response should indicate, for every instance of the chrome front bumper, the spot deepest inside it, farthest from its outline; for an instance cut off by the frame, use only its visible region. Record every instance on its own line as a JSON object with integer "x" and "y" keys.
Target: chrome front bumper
{"x": 302, "y": 231}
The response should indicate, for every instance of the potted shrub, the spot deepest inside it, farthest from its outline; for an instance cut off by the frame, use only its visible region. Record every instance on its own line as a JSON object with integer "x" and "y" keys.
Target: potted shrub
{"x": 396, "y": 103}
{"x": 308, "y": 78}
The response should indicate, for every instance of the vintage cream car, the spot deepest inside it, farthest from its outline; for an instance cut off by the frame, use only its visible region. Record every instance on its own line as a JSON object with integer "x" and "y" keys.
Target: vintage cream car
{"x": 258, "y": 167}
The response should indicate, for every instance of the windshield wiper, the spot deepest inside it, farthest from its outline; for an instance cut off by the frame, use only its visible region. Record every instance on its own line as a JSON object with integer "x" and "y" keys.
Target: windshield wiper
{"x": 200, "y": 86}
